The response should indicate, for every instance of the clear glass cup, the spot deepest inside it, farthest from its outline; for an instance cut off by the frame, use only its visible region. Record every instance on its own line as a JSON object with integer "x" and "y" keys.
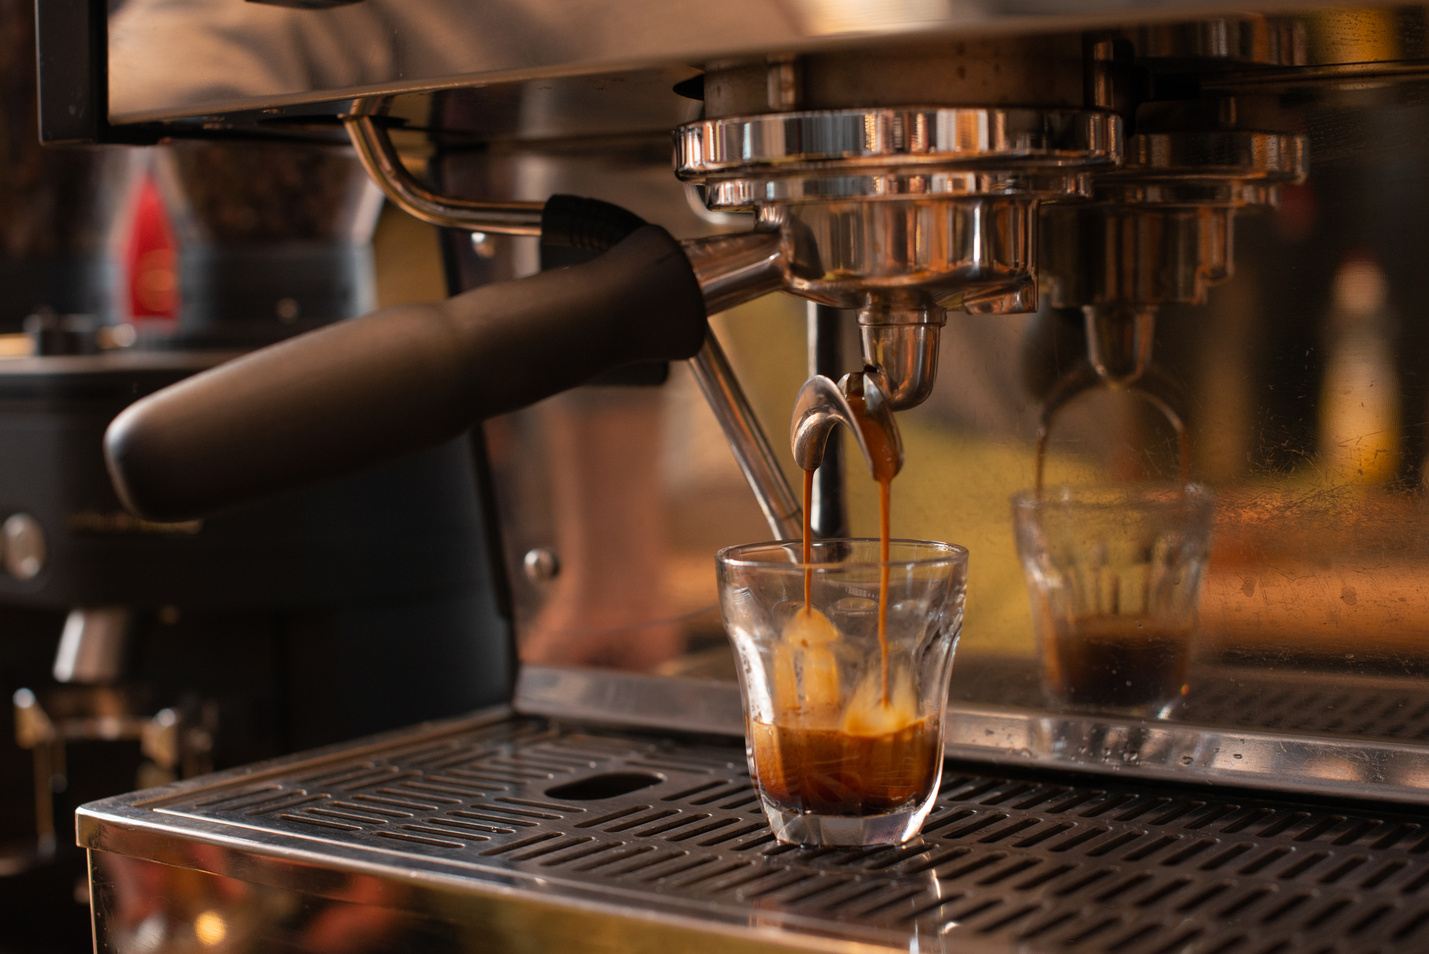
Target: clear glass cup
{"x": 844, "y": 730}
{"x": 1115, "y": 578}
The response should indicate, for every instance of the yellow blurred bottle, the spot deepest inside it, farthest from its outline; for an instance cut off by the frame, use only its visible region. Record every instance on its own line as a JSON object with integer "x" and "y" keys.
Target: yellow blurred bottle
{"x": 1359, "y": 398}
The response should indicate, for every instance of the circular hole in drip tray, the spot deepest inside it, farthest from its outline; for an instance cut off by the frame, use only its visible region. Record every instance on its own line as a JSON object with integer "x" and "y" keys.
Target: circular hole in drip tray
{"x": 605, "y": 785}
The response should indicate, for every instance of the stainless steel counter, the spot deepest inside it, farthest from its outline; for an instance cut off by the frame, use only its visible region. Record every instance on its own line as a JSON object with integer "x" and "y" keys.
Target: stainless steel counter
{"x": 513, "y": 833}
{"x": 1320, "y": 734}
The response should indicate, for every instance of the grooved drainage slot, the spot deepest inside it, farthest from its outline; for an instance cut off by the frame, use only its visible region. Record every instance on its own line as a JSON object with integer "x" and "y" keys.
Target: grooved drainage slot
{"x": 605, "y": 785}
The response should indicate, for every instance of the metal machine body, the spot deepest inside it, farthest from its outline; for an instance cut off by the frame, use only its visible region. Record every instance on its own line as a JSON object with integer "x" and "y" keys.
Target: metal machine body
{"x": 1100, "y": 163}
{"x": 505, "y": 833}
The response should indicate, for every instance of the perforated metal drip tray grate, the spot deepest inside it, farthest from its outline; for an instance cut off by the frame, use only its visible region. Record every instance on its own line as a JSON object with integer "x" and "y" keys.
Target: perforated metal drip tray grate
{"x": 607, "y": 825}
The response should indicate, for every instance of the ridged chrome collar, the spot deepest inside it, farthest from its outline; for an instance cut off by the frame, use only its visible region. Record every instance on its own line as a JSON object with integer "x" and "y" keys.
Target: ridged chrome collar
{"x": 793, "y": 156}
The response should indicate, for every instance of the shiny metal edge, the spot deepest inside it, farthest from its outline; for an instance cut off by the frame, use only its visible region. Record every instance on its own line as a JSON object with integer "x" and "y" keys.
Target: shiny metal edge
{"x": 493, "y": 53}
{"x": 748, "y": 193}
{"x": 734, "y": 269}
{"x": 609, "y": 697}
{"x": 313, "y": 758}
{"x": 137, "y": 825}
{"x": 584, "y": 919}
{"x": 384, "y": 165}
{"x": 1103, "y": 744}
{"x": 744, "y": 144}
{"x": 1180, "y": 752}
{"x": 111, "y": 361}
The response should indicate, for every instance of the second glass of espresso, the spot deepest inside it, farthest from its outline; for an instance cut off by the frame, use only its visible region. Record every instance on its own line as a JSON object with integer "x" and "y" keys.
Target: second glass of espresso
{"x": 1115, "y": 578}
{"x": 844, "y": 665}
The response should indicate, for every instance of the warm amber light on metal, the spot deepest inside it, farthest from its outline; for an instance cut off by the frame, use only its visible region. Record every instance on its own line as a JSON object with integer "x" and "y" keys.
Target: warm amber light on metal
{"x": 210, "y": 928}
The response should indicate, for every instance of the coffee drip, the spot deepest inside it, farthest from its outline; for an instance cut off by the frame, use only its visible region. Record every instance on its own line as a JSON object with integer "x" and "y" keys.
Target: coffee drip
{"x": 860, "y": 402}
{"x": 870, "y": 753}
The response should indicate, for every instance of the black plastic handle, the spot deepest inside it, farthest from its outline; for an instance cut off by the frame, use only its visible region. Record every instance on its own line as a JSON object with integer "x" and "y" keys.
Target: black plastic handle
{"x": 369, "y": 389}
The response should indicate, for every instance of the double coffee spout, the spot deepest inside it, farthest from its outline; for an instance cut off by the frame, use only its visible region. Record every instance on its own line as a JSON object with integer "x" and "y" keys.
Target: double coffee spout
{"x": 861, "y": 403}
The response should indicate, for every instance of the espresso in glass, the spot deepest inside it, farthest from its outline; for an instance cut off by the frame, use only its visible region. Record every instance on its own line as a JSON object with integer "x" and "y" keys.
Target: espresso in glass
{"x": 844, "y": 689}
{"x": 832, "y": 772}
{"x": 1115, "y": 577}
{"x": 1102, "y": 660}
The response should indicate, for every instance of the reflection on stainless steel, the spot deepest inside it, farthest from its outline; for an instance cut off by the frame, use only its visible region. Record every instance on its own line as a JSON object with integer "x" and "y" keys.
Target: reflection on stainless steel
{"x": 828, "y": 516}
{"x": 951, "y": 152}
{"x": 92, "y": 645}
{"x": 1286, "y": 579}
{"x": 903, "y": 346}
{"x": 734, "y": 269}
{"x": 380, "y": 159}
{"x": 541, "y": 564}
{"x": 1312, "y": 669}
{"x": 1160, "y": 231}
{"x": 616, "y": 698}
{"x": 1260, "y": 40}
{"x": 1119, "y": 341}
{"x": 519, "y": 834}
{"x": 1147, "y": 382}
{"x": 181, "y": 59}
{"x": 1333, "y": 733}
{"x": 747, "y": 440}
{"x": 996, "y": 715}
{"x": 977, "y": 253}
{"x": 24, "y": 546}
{"x": 1252, "y": 759}
{"x": 898, "y": 212}
{"x": 822, "y": 405}
{"x": 1160, "y": 227}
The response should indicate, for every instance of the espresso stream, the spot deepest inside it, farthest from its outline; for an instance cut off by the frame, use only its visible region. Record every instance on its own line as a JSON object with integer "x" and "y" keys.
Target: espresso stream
{"x": 869, "y": 754}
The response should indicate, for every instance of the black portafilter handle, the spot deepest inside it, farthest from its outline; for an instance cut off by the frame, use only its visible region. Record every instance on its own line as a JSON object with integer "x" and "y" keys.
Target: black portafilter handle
{"x": 369, "y": 389}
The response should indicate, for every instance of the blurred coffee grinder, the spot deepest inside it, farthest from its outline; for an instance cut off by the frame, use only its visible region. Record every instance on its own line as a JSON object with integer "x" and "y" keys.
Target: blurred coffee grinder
{"x": 138, "y": 652}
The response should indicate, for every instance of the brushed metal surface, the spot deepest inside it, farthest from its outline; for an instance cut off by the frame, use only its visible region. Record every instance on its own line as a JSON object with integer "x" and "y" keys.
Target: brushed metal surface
{"x": 608, "y": 827}
{"x": 1334, "y": 735}
{"x": 173, "y": 58}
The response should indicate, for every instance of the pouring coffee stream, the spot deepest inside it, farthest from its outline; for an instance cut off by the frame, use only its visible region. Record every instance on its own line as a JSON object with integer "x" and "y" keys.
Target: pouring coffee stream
{"x": 861, "y": 403}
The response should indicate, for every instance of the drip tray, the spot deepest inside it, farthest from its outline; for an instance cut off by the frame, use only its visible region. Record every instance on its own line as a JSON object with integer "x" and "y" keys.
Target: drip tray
{"x": 517, "y": 833}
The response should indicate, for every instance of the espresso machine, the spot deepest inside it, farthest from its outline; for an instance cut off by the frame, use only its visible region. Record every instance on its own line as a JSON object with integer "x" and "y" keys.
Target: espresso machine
{"x": 1129, "y": 237}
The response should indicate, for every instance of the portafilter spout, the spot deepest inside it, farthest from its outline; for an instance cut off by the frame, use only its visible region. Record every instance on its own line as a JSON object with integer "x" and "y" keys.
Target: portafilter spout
{"x": 860, "y": 403}
{"x": 902, "y": 343}
{"x": 1119, "y": 340}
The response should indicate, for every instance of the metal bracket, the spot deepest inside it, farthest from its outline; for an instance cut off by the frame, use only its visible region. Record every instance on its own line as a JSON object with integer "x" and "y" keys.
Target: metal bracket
{"x": 382, "y": 162}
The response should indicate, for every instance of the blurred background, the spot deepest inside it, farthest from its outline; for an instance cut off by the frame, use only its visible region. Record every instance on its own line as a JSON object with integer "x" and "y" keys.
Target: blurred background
{"x": 582, "y": 530}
